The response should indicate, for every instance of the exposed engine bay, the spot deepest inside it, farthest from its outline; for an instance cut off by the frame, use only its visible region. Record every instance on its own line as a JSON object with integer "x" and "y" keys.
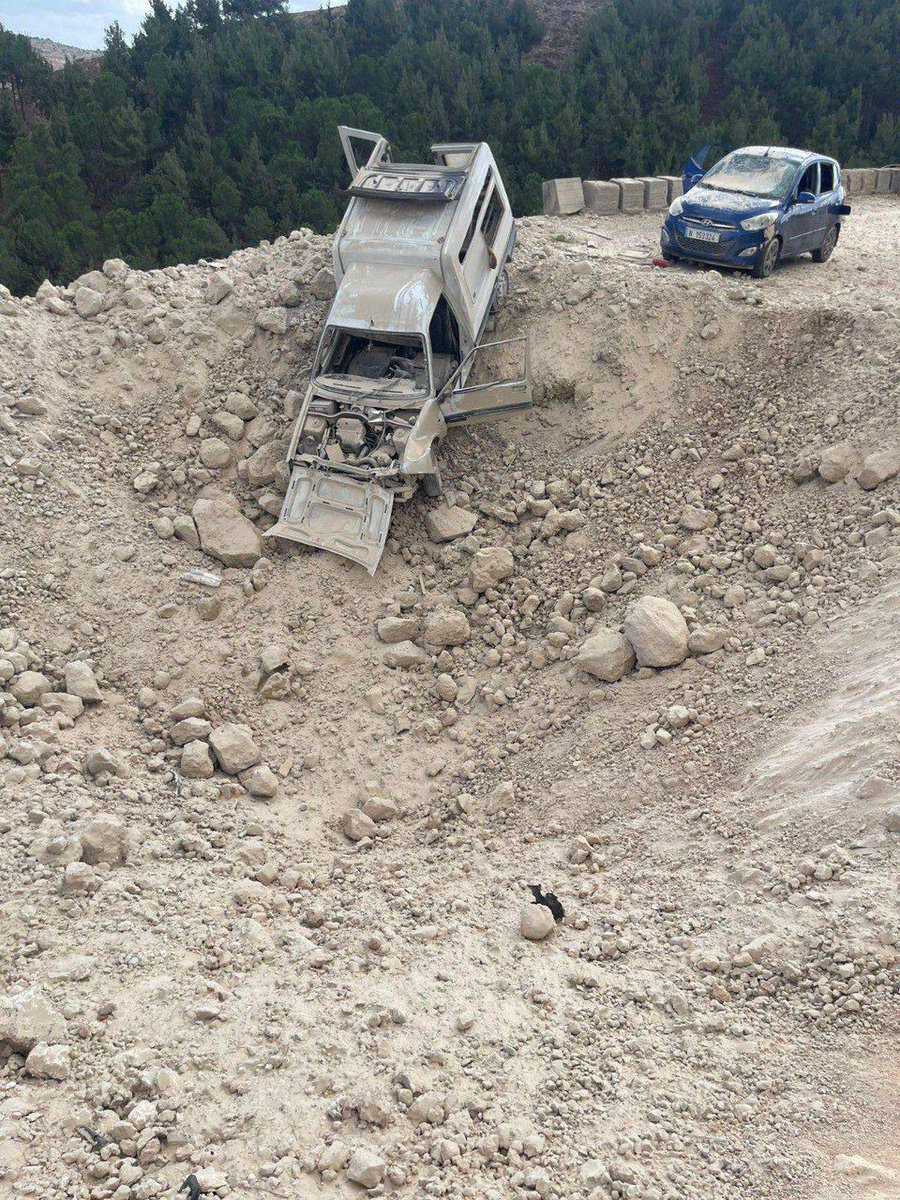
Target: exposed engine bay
{"x": 355, "y": 436}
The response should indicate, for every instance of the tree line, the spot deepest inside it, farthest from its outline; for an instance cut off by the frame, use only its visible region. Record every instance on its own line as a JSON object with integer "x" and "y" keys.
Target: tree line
{"x": 215, "y": 126}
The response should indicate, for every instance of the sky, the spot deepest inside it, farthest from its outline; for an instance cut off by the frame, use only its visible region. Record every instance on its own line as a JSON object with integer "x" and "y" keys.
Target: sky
{"x": 83, "y": 22}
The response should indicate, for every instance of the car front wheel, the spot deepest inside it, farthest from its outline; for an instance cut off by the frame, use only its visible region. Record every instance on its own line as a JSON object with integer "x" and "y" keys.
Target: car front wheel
{"x": 769, "y": 260}
{"x": 826, "y": 250}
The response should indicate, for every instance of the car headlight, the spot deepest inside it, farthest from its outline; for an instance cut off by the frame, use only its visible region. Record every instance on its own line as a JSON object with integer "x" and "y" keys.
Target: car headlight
{"x": 676, "y": 206}
{"x": 760, "y": 221}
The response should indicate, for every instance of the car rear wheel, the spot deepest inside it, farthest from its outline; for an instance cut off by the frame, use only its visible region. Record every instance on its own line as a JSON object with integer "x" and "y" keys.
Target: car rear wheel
{"x": 826, "y": 250}
{"x": 501, "y": 292}
{"x": 769, "y": 260}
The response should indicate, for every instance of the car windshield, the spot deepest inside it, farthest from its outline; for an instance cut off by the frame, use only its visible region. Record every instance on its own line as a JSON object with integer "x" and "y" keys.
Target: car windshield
{"x": 752, "y": 175}
{"x": 377, "y": 364}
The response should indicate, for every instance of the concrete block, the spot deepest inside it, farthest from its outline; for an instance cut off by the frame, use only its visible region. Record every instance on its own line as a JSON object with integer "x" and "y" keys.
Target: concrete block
{"x": 848, "y": 179}
{"x": 601, "y": 196}
{"x": 562, "y": 197}
{"x": 869, "y": 176}
{"x": 655, "y": 192}
{"x": 895, "y": 179}
{"x": 883, "y": 179}
{"x": 673, "y": 187}
{"x": 631, "y": 195}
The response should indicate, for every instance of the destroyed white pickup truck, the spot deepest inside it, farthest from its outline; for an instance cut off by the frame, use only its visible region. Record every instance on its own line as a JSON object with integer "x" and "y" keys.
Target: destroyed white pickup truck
{"x": 420, "y": 264}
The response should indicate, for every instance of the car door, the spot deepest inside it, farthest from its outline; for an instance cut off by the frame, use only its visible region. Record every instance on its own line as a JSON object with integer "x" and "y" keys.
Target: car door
{"x": 799, "y": 223}
{"x": 829, "y": 198}
{"x": 462, "y": 402}
{"x": 700, "y": 162}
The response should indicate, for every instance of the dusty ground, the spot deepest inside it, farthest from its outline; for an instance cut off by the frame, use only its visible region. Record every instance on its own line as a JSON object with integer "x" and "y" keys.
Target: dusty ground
{"x": 225, "y": 984}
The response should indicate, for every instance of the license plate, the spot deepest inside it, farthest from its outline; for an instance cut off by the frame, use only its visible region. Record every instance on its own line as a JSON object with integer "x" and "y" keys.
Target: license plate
{"x": 703, "y": 235}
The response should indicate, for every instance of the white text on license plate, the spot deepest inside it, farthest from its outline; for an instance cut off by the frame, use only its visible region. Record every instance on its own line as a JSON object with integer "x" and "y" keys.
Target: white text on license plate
{"x": 704, "y": 235}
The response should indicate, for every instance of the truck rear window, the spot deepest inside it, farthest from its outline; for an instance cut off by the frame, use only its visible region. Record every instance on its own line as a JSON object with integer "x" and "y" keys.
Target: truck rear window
{"x": 491, "y": 221}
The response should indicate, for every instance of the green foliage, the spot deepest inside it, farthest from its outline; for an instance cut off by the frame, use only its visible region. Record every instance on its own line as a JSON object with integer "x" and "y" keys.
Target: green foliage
{"x": 215, "y": 128}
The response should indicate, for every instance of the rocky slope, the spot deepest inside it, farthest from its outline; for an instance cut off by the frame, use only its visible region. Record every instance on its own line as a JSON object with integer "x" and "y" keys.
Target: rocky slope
{"x": 58, "y": 54}
{"x": 269, "y": 825}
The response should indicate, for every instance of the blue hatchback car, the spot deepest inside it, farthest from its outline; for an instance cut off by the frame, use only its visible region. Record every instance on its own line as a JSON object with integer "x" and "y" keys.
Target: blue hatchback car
{"x": 755, "y": 206}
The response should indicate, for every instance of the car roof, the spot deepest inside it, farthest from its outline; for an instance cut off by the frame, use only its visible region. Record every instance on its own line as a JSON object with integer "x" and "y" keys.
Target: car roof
{"x": 786, "y": 152}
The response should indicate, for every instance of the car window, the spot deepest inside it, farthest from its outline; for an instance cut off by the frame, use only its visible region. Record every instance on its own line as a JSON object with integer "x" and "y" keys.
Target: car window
{"x": 752, "y": 175}
{"x": 809, "y": 180}
{"x": 826, "y": 178}
{"x": 473, "y": 224}
{"x": 493, "y": 215}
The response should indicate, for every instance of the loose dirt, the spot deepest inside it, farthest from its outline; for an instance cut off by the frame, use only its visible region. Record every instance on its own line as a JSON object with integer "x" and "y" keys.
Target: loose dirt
{"x": 266, "y": 846}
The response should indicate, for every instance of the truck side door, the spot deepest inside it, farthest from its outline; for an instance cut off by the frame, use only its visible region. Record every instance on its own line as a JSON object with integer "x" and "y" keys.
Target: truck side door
{"x": 508, "y": 392}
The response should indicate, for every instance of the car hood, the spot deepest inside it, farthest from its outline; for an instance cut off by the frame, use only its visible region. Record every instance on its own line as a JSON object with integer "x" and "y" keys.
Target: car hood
{"x": 703, "y": 201}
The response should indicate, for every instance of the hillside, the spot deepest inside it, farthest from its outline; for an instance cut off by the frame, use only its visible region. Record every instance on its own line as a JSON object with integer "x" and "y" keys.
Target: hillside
{"x": 57, "y": 54}
{"x": 266, "y": 865}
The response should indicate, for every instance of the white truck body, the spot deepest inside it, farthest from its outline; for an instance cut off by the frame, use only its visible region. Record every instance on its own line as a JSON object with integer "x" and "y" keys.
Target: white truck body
{"x": 420, "y": 263}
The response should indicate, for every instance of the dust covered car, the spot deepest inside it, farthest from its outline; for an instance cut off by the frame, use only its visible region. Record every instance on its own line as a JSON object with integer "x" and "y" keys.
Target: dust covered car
{"x": 754, "y": 207}
{"x": 420, "y": 265}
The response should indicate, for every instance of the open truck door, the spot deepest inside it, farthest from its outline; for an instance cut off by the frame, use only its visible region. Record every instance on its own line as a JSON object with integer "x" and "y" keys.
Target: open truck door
{"x": 487, "y": 401}
{"x": 700, "y": 162}
{"x": 350, "y": 517}
{"x": 363, "y": 149}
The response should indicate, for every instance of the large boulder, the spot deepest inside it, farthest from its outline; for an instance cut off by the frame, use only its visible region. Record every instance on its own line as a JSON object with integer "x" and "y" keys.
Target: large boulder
{"x": 225, "y": 533}
{"x": 657, "y": 631}
{"x": 606, "y": 655}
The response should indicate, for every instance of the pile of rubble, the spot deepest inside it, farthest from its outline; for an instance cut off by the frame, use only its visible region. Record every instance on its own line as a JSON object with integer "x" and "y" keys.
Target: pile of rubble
{"x": 481, "y": 878}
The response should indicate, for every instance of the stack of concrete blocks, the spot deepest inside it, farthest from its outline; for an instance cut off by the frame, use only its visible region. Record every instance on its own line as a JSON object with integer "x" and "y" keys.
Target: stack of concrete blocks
{"x": 674, "y": 187}
{"x": 655, "y": 192}
{"x": 562, "y": 197}
{"x": 631, "y": 195}
{"x": 601, "y": 196}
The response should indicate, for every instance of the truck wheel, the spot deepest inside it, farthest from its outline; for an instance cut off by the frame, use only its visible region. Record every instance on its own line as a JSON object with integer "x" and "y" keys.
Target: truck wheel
{"x": 769, "y": 260}
{"x": 432, "y": 485}
{"x": 501, "y": 292}
{"x": 826, "y": 250}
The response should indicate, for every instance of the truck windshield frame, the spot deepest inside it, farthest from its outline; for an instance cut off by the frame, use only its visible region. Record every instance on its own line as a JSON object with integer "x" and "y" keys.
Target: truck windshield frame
{"x": 372, "y": 347}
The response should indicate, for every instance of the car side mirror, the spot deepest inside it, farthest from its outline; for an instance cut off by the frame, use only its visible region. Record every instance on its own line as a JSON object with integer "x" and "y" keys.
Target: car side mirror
{"x": 805, "y": 198}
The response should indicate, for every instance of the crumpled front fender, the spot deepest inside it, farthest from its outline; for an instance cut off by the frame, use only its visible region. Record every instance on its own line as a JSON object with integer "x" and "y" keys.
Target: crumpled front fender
{"x": 418, "y": 455}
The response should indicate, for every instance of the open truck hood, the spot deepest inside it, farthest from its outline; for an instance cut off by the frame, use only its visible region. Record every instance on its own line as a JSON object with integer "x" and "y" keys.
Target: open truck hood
{"x": 346, "y": 516}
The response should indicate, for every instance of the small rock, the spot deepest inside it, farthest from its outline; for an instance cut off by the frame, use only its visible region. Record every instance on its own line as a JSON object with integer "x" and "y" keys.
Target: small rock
{"x": 365, "y": 1168}
{"x": 197, "y": 761}
{"x": 260, "y": 781}
{"x": 405, "y": 654}
{"x": 356, "y": 825}
{"x": 28, "y": 1018}
{"x": 392, "y": 630}
{"x": 88, "y": 302}
{"x": 445, "y": 524}
{"x": 29, "y": 687}
{"x": 606, "y": 655}
{"x": 48, "y": 1061}
{"x": 536, "y": 922}
{"x": 836, "y": 462}
{"x": 104, "y": 839}
{"x": 81, "y": 682}
{"x": 448, "y": 627}
{"x": 234, "y": 748}
{"x": 490, "y": 565}
{"x": 878, "y": 467}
